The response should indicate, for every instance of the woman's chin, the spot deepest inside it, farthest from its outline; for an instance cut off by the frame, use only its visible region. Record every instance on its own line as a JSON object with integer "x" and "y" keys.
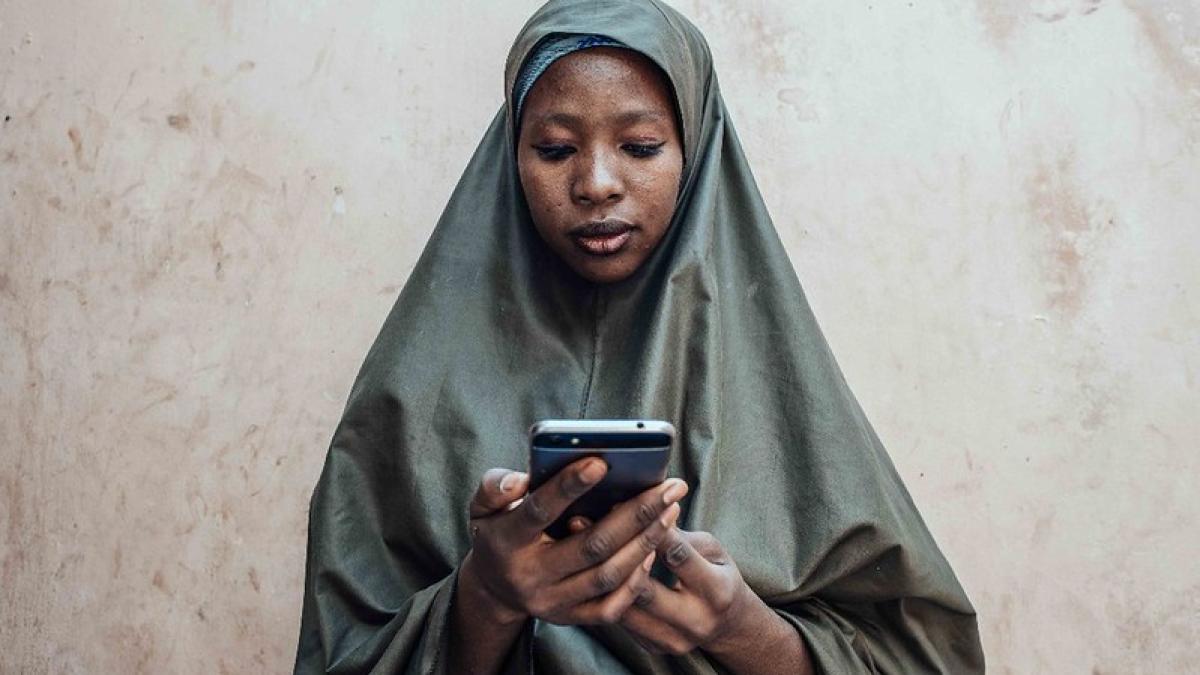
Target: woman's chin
{"x": 607, "y": 270}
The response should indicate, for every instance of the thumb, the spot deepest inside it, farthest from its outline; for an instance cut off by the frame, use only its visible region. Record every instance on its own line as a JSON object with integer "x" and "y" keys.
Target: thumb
{"x": 498, "y": 488}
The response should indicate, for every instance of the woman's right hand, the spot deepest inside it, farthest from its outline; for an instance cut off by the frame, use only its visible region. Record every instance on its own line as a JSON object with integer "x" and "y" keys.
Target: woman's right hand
{"x": 590, "y": 577}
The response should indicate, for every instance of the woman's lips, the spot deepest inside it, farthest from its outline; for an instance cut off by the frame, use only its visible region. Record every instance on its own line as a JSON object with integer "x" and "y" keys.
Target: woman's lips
{"x": 602, "y": 237}
{"x": 603, "y": 244}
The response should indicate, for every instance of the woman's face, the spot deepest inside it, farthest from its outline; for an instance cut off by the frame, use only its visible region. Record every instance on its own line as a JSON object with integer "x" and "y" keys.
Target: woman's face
{"x": 600, "y": 160}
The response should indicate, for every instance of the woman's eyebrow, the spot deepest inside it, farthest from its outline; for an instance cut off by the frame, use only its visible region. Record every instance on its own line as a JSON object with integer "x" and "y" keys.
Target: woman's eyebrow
{"x": 635, "y": 116}
{"x": 626, "y": 118}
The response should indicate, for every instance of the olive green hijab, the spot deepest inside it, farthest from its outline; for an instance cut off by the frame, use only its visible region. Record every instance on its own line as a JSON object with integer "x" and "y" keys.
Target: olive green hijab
{"x": 492, "y": 332}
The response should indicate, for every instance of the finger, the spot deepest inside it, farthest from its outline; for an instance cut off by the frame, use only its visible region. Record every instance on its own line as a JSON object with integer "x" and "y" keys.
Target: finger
{"x": 609, "y": 609}
{"x": 498, "y": 488}
{"x": 627, "y": 521}
{"x": 579, "y": 524}
{"x": 678, "y": 554}
{"x": 608, "y": 576}
{"x": 701, "y": 585}
{"x": 542, "y": 506}
{"x": 648, "y": 630}
{"x": 667, "y": 604}
{"x": 706, "y": 545}
{"x": 695, "y": 574}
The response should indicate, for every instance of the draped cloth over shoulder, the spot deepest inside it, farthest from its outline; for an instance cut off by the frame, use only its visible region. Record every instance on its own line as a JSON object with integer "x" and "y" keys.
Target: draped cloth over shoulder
{"x": 492, "y": 332}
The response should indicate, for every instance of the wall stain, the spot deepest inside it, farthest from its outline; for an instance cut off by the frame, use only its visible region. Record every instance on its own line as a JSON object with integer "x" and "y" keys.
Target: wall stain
{"x": 999, "y": 17}
{"x": 216, "y": 121}
{"x": 179, "y": 122}
{"x": 89, "y": 133}
{"x": 66, "y": 564}
{"x": 76, "y": 145}
{"x": 800, "y": 102}
{"x": 118, "y": 559}
{"x": 1099, "y": 390}
{"x": 12, "y": 493}
{"x": 318, "y": 62}
{"x": 159, "y": 392}
{"x": 75, "y": 289}
{"x": 1042, "y": 529}
{"x": 1071, "y": 226}
{"x": 1173, "y": 30}
{"x": 766, "y": 39}
{"x": 1002, "y": 18}
{"x": 219, "y": 257}
{"x": 1051, "y": 11}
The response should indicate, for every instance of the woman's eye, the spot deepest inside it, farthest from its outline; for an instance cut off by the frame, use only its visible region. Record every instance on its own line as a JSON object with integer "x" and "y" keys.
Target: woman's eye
{"x": 553, "y": 152}
{"x": 643, "y": 149}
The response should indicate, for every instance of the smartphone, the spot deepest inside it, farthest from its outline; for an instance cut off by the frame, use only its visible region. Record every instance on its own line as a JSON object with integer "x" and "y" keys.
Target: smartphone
{"x": 636, "y": 451}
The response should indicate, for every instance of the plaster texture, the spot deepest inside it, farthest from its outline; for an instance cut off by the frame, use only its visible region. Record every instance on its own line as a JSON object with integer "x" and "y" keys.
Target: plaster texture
{"x": 207, "y": 208}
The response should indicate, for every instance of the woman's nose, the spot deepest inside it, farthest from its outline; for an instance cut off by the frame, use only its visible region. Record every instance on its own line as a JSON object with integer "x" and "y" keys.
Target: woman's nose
{"x": 597, "y": 180}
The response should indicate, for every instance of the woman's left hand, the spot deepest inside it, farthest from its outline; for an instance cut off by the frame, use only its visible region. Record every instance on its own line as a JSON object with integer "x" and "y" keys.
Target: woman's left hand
{"x": 707, "y": 607}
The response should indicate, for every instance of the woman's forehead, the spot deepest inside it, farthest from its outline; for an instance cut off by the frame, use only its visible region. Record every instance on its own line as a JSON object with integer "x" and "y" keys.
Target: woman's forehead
{"x": 626, "y": 85}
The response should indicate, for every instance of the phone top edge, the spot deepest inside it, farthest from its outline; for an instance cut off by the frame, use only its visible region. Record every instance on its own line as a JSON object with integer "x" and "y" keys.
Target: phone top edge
{"x": 596, "y": 450}
{"x": 625, "y": 426}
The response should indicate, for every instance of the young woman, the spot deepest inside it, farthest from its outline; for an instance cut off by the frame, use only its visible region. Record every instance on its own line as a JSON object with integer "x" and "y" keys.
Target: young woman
{"x": 606, "y": 254}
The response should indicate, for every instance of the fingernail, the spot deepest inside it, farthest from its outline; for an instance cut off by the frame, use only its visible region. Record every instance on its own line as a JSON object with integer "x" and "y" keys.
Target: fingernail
{"x": 670, "y": 517}
{"x": 593, "y": 472}
{"x": 648, "y": 562}
{"x": 510, "y": 481}
{"x": 675, "y": 491}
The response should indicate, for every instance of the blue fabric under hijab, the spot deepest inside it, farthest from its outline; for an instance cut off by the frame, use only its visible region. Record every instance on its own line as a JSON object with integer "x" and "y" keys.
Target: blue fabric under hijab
{"x": 550, "y": 50}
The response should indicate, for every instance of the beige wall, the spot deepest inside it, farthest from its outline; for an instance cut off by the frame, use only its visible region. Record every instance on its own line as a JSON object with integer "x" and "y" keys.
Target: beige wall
{"x": 208, "y": 207}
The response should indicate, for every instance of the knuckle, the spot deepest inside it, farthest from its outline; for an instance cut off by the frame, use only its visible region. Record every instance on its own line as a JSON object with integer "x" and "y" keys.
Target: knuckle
{"x": 535, "y": 510}
{"x": 522, "y": 583}
{"x": 645, "y": 514}
{"x": 489, "y": 483}
{"x": 648, "y": 542}
{"x": 645, "y": 596}
{"x": 606, "y": 579}
{"x": 703, "y": 629}
{"x": 678, "y": 647}
{"x": 572, "y": 486}
{"x": 723, "y": 597}
{"x": 538, "y": 606}
{"x": 597, "y": 547}
{"x": 677, "y": 554}
{"x": 609, "y": 614}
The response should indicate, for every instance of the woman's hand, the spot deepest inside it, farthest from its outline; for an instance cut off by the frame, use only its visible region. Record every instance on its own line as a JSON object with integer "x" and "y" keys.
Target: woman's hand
{"x": 707, "y": 608}
{"x": 587, "y": 578}
{"x": 710, "y": 607}
{"x": 704, "y": 605}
